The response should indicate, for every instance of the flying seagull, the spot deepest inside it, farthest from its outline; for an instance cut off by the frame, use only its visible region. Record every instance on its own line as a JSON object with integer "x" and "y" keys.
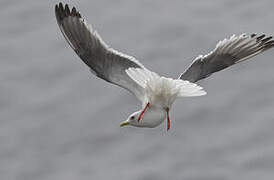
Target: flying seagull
{"x": 157, "y": 93}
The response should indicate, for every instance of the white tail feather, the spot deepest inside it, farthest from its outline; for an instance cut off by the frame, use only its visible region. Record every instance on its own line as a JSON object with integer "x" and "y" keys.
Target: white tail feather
{"x": 161, "y": 90}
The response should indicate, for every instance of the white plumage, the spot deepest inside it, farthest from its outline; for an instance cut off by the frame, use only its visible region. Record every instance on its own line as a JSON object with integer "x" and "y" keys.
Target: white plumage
{"x": 161, "y": 91}
{"x": 157, "y": 93}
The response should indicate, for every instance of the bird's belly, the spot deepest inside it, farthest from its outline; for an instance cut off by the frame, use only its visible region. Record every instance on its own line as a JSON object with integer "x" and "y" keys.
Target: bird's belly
{"x": 154, "y": 118}
{"x": 155, "y": 123}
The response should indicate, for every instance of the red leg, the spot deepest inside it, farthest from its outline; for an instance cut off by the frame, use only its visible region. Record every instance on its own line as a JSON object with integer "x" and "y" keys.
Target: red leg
{"x": 142, "y": 113}
{"x": 168, "y": 120}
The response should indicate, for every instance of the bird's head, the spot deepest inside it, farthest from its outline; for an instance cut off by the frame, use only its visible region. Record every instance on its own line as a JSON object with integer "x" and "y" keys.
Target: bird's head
{"x": 150, "y": 118}
{"x": 132, "y": 120}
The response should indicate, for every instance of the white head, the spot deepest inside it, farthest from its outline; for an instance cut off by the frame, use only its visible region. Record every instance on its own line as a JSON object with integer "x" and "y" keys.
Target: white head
{"x": 151, "y": 118}
{"x": 132, "y": 120}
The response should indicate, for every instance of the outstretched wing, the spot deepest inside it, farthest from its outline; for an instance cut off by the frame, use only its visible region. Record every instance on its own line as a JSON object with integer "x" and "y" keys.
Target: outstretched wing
{"x": 103, "y": 61}
{"x": 227, "y": 52}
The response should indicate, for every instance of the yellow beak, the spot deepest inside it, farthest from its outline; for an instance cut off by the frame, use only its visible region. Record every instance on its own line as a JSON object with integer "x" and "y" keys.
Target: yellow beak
{"x": 124, "y": 123}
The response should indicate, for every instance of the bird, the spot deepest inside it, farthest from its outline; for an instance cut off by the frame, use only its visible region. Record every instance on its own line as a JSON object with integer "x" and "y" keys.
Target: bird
{"x": 156, "y": 93}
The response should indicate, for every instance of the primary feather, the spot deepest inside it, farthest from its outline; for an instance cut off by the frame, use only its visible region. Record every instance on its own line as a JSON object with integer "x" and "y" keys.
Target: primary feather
{"x": 103, "y": 61}
{"x": 226, "y": 53}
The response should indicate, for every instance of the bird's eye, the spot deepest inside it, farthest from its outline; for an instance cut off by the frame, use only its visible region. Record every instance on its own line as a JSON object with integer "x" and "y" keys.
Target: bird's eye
{"x": 132, "y": 117}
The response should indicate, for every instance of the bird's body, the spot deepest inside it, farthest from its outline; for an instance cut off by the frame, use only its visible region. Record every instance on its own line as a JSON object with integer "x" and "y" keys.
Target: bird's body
{"x": 159, "y": 95}
{"x": 156, "y": 93}
{"x": 153, "y": 117}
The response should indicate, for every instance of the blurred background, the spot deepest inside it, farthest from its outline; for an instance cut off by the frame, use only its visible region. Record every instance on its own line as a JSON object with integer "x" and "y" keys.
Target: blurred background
{"x": 58, "y": 121}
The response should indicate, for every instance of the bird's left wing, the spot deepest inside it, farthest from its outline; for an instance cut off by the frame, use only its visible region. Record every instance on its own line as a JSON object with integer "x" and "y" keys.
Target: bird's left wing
{"x": 227, "y": 52}
{"x": 103, "y": 61}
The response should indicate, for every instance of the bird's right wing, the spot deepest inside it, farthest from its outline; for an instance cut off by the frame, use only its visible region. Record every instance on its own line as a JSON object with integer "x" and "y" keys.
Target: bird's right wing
{"x": 103, "y": 61}
{"x": 227, "y": 52}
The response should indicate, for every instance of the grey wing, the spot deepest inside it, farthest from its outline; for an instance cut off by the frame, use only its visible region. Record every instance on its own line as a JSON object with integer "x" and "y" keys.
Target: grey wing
{"x": 227, "y": 52}
{"x": 103, "y": 61}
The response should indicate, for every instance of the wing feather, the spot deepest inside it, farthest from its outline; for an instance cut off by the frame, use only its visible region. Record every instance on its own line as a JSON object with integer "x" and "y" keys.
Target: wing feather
{"x": 103, "y": 61}
{"x": 227, "y": 52}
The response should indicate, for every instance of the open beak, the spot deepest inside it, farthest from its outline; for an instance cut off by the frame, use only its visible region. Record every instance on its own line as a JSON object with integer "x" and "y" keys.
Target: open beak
{"x": 124, "y": 123}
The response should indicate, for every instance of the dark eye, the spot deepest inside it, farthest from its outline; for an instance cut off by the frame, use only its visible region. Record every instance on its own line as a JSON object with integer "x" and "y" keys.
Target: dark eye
{"x": 132, "y": 117}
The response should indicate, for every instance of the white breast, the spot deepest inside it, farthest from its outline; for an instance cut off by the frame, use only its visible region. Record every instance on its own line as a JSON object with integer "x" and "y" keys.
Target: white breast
{"x": 153, "y": 117}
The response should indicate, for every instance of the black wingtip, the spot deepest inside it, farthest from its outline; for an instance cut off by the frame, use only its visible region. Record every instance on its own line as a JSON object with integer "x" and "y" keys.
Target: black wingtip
{"x": 78, "y": 15}
{"x": 253, "y": 35}
{"x": 67, "y": 11}
{"x": 61, "y": 6}
{"x": 56, "y": 9}
{"x": 260, "y": 37}
{"x": 270, "y": 42}
{"x": 265, "y": 40}
{"x": 73, "y": 11}
{"x": 62, "y": 11}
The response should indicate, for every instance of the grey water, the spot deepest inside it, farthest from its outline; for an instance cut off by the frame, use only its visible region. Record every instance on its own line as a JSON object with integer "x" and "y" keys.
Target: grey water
{"x": 58, "y": 121}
